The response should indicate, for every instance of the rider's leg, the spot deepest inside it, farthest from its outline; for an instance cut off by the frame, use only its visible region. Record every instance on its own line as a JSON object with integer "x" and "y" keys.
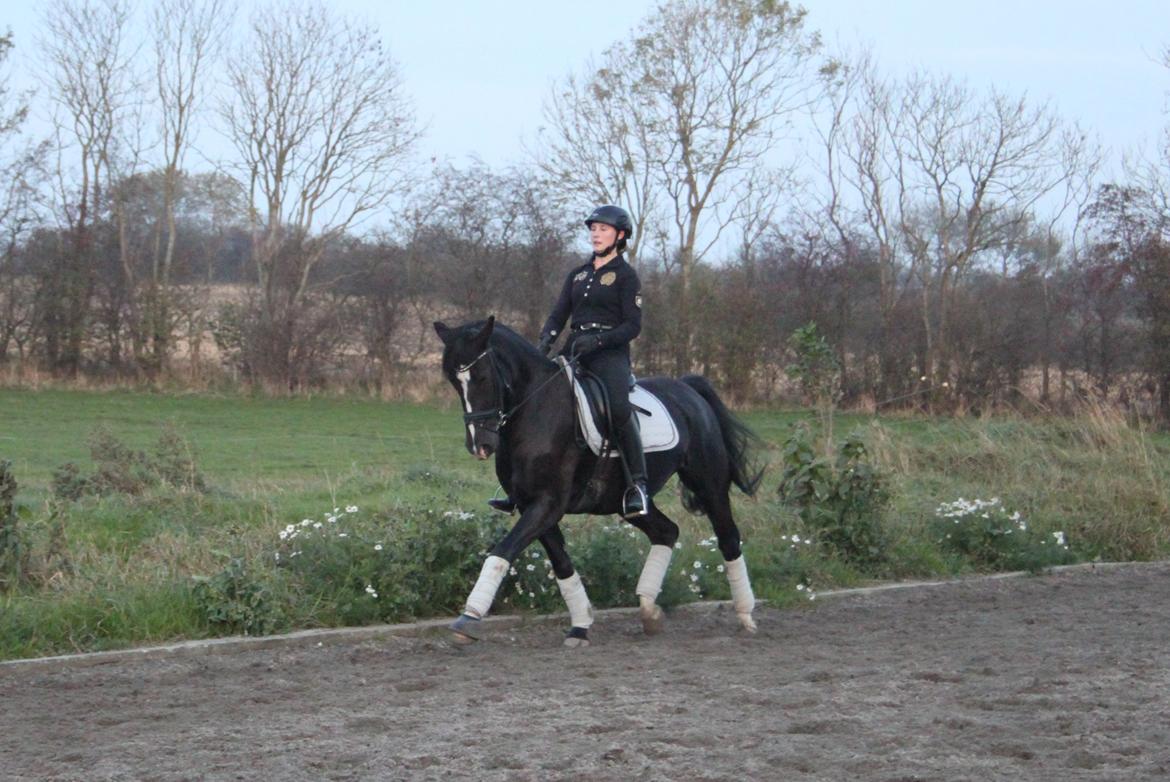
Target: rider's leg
{"x": 636, "y": 501}
{"x": 613, "y": 368}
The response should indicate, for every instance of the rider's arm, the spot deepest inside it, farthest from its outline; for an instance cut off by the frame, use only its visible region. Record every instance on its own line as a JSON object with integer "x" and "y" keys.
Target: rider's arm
{"x": 631, "y": 304}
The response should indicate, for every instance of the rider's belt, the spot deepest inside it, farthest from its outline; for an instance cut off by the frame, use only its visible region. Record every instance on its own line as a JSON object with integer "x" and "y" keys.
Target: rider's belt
{"x": 591, "y": 327}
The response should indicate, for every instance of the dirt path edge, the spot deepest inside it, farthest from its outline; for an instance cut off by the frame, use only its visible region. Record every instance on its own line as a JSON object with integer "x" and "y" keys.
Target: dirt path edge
{"x": 333, "y": 635}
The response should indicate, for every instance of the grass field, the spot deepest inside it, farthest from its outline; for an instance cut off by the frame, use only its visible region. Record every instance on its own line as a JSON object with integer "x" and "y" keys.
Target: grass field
{"x": 164, "y": 563}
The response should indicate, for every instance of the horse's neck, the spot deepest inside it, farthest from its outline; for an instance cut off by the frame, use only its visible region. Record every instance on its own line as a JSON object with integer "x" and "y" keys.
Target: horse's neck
{"x": 541, "y": 388}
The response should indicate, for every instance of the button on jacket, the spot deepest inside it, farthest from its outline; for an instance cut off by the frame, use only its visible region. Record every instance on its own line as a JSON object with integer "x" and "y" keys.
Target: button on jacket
{"x": 608, "y": 297}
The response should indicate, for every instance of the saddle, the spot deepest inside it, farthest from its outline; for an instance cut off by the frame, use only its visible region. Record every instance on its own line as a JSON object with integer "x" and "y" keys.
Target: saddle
{"x": 658, "y": 430}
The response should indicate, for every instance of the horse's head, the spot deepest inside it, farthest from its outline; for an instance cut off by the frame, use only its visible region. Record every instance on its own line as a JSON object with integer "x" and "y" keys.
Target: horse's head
{"x": 470, "y": 368}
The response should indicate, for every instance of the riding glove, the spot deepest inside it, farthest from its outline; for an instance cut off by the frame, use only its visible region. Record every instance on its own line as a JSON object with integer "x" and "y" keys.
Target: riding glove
{"x": 583, "y": 346}
{"x": 545, "y": 345}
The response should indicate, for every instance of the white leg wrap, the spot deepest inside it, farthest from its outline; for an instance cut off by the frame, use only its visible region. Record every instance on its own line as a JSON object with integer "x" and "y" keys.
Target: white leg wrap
{"x": 654, "y": 572}
{"x": 480, "y": 601}
{"x": 741, "y": 588}
{"x": 580, "y": 611}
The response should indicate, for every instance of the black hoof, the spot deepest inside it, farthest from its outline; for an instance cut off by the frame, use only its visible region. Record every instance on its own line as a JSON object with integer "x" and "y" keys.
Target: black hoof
{"x": 465, "y": 630}
{"x": 577, "y": 637}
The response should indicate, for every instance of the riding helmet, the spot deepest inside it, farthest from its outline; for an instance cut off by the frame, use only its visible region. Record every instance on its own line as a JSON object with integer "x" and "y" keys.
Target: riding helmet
{"x": 613, "y": 216}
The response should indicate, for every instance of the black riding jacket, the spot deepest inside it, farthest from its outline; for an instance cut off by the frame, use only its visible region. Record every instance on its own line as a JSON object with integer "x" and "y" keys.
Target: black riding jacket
{"x": 606, "y": 302}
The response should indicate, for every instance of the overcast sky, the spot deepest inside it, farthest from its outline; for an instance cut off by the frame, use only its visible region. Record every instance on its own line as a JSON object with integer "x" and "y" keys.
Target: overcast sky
{"x": 479, "y": 70}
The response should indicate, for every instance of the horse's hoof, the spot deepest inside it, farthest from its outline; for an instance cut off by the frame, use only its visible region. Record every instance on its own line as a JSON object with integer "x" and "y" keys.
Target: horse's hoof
{"x": 747, "y": 622}
{"x": 465, "y": 630}
{"x": 653, "y": 621}
{"x": 577, "y": 638}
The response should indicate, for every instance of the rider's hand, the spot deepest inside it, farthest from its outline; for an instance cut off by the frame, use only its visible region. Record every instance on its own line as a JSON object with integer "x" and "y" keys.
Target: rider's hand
{"x": 583, "y": 346}
{"x": 545, "y": 345}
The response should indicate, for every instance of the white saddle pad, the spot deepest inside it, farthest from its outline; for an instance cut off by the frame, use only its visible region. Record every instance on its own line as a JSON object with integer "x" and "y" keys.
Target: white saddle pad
{"x": 659, "y": 432}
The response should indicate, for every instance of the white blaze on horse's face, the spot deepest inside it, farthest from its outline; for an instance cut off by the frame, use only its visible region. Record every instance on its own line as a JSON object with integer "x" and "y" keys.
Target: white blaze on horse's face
{"x": 464, "y": 378}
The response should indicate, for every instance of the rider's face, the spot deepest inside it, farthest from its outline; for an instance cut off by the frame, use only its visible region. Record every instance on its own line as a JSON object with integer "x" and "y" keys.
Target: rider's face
{"x": 602, "y": 236}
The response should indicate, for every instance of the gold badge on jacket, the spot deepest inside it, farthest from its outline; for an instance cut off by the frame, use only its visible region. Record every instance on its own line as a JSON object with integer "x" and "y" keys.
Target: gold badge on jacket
{"x": 608, "y": 278}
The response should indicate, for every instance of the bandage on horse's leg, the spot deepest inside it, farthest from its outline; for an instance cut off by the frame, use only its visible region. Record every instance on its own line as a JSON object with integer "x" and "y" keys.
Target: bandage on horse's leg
{"x": 650, "y": 584}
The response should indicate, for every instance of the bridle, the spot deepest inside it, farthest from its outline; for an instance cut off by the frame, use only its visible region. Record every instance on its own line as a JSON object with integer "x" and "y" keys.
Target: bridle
{"x": 479, "y": 417}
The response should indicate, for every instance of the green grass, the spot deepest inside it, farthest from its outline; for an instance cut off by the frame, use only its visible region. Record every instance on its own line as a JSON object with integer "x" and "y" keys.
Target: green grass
{"x": 117, "y": 570}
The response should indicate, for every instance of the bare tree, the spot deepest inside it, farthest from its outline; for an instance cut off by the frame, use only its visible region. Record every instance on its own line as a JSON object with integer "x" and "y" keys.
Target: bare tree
{"x": 321, "y": 126}
{"x": 20, "y": 167}
{"x": 188, "y": 37}
{"x": 941, "y": 178}
{"x": 684, "y": 121}
{"x": 87, "y": 69}
{"x": 596, "y": 146}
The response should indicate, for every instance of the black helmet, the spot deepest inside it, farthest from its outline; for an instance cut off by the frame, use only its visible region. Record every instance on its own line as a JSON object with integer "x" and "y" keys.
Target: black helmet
{"x": 613, "y": 216}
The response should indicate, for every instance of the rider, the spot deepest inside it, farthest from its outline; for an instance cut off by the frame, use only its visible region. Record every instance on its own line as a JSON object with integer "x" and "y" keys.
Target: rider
{"x": 604, "y": 298}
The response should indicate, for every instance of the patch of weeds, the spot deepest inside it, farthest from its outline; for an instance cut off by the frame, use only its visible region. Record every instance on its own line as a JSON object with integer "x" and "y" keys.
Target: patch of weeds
{"x": 241, "y": 598}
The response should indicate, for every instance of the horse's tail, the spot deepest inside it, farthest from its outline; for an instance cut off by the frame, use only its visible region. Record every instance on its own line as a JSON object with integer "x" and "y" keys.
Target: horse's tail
{"x": 738, "y": 439}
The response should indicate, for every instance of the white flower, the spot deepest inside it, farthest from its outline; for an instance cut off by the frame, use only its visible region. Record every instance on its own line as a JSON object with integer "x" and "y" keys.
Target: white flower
{"x": 377, "y": 547}
{"x": 337, "y": 510}
{"x": 317, "y": 525}
{"x": 530, "y": 567}
{"x": 351, "y": 509}
{"x": 551, "y": 575}
{"x": 800, "y": 587}
{"x": 343, "y": 534}
{"x": 694, "y": 577}
{"x": 698, "y": 565}
{"x": 720, "y": 568}
{"x": 511, "y": 571}
{"x": 371, "y": 591}
{"x": 678, "y": 545}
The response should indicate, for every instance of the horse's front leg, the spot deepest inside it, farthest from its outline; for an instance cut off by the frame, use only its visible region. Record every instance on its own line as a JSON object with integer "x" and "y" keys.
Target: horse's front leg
{"x": 537, "y": 519}
{"x": 572, "y": 590}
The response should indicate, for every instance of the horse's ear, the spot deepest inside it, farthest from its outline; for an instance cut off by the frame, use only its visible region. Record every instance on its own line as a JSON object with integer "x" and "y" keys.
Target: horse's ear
{"x": 445, "y": 333}
{"x": 485, "y": 333}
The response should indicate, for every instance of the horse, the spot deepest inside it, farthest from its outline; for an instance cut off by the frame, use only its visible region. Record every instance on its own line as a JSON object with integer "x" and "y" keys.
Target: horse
{"x": 518, "y": 409}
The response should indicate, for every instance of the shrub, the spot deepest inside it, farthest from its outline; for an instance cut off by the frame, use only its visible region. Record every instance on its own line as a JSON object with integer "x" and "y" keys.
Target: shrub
{"x": 984, "y": 533}
{"x": 10, "y": 544}
{"x": 120, "y": 469}
{"x": 841, "y": 502}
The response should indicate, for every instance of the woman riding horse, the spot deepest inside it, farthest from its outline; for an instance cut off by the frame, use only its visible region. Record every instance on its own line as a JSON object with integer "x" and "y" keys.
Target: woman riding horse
{"x": 603, "y": 297}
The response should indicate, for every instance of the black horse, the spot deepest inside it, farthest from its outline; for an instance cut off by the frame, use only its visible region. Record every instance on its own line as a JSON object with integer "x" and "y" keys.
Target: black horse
{"x": 517, "y": 408}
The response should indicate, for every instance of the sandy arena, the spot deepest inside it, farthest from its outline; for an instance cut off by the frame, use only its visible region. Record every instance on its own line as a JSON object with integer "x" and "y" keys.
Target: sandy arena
{"x": 1060, "y": 677}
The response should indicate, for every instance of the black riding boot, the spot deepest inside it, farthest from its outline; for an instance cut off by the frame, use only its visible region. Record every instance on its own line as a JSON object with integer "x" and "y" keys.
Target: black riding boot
{"x": 503, "y": 504}
{"x": 636, "y": 501}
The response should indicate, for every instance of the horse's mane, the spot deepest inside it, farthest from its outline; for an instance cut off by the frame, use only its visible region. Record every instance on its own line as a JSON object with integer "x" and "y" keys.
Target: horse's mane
{"x": 511, "y": 342}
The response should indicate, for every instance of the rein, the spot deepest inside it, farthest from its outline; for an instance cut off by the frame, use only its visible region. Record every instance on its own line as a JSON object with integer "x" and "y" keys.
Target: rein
{"x": 498, "y": 413}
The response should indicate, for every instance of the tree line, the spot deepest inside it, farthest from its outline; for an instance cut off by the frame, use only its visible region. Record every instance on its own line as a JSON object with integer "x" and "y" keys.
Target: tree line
{"x": 954, "y": 247}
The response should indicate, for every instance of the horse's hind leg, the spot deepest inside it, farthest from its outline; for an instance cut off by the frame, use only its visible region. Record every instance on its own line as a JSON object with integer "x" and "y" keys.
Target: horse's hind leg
{"x": 572, "y": 590}
{"x": 663, "y": 534}
{"x": 727, "y": 533}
